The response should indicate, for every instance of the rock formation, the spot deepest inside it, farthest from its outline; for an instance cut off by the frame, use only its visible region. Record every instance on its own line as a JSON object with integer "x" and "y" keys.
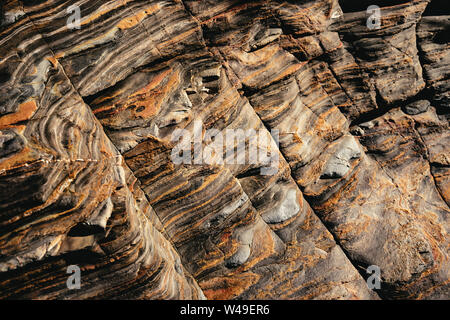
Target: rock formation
{"x": 357, "y": 119}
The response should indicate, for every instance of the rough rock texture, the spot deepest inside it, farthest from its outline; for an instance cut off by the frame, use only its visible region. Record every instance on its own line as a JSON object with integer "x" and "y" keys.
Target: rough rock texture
{"x": 87, "y": 176}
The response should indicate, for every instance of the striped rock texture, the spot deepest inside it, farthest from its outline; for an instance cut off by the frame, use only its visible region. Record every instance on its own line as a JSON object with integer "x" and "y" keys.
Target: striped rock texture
{"x": 356, "y": 127}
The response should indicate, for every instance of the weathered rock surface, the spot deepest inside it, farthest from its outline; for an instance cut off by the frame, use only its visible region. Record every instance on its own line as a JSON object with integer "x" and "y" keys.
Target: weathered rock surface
{"x": 360, "y": 176}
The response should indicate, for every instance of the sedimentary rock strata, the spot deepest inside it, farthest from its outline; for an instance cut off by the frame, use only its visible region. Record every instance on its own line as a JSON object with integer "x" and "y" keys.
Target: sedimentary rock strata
{"x": 128, "y": 149}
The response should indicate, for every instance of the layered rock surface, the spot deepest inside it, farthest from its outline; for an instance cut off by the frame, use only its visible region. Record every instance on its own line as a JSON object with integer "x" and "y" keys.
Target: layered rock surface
{"x": 355, "y": 122}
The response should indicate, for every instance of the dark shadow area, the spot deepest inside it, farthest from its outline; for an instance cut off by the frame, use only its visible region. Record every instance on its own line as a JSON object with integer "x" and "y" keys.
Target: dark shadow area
{"x": 4, "y": 77}
{"x": 362, "y": 5}
{"x": 442, "y": 37}
{"x": 84, "y": 229}
{"x": 82, "y": 257}
{"x": 437, "y": 8}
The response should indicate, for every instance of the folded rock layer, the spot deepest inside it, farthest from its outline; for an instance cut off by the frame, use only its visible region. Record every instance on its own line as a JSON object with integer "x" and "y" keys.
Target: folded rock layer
{"x": 352, "y": 124}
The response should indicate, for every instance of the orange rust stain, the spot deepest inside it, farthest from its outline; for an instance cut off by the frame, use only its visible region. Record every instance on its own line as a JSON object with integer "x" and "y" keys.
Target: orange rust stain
{"x": 288, "y": 71}
{"x": 34, "y": 71}
{"x": 53, "y": 61}
{"x": 148, "y": 97}
{"x": 151, "y": 98}
{"x": 226, "y": 288}
{"x": 24, "y": 112}
{"x": 200, "y": 222}
{"x": 153, "y": 84}
{"x": 272, "y": 65}
{"x": 59, "y": 55}
{"x": 126, "y": 23}
{"x": 17, "y": 160}
{"x": 226, "y": 237}
{"x": 130, "y": 22}
{"x": 105, "y": 98}
{"x": 231, "y": 12}
{"x": 147, "y": 11}
{"x": 179, "y": 37}
{"x": 99, "y": 14}
{"x": 263, "y": 247}
{"x": 202, "y": 205}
